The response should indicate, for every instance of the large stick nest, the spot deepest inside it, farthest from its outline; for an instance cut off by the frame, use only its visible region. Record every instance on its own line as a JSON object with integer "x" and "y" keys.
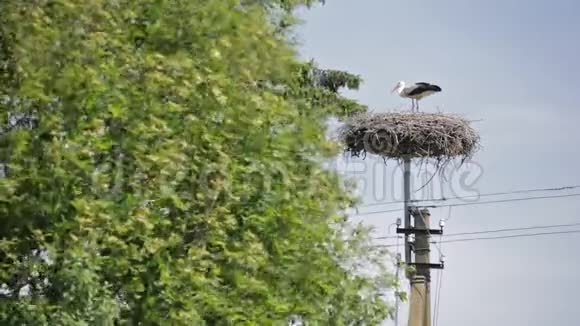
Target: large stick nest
{"x": 400, "y": 135}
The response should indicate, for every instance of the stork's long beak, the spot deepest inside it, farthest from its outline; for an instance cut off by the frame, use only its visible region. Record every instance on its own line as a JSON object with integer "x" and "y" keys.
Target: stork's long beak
{"x": 394, "y": 89}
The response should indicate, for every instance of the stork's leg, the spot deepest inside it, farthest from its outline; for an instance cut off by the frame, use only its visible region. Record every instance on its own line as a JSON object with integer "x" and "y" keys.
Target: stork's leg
{"x": 417, "y": 106}
{"x": 412, "y": 105}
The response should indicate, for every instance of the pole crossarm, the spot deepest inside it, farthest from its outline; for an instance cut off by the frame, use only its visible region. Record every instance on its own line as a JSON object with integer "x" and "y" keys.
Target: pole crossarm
{"x": 408, "y": 231}
{"x": 428, "y": 265}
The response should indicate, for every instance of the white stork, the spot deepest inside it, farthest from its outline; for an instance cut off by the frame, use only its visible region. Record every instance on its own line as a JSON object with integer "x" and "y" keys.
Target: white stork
{"x": 415, "y": 92}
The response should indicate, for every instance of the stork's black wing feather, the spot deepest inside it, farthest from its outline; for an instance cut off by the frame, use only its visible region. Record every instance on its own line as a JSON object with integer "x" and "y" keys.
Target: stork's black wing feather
{"x": 423, "y": 87}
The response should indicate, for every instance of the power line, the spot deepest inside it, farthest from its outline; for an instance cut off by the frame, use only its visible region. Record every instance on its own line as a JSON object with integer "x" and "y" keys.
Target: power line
{"x": 550, "y": 226}
{"x": 503, "y": 201}
{"x": 439, "y": 280}
{"x": 521, "y": 191}
{"x": 377, "y": 212}
{"x": 511, "y": 236}
{"x": 438, "y": 297}
{"x": 478, "y": 203}
{"x": 498, "y": 237}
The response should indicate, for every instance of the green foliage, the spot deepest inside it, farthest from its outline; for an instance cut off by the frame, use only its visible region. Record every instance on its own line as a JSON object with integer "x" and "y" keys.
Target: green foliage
{"x": 171, "y": 174}
{"x": 319, "y": 89}
{"x": 285, "y": 5}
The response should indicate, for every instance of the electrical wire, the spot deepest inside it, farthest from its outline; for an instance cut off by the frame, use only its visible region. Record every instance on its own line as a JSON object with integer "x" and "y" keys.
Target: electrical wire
{"x": 438, "y": 244}
{"x": 512, "y": 236}
{"x": 437, "y": 289}
{"x": 496, "y": 238}
{"x": 477, "y": 203}
{"x": 438, "y": 297}
{"x": 550, "y": 226}
{"x": 503, "y": 201}
{"x": 522, "y": 191}
{"x": 439, "y": 276}
{"x": 387, "y": 211}
{"x": 448, "y": 215}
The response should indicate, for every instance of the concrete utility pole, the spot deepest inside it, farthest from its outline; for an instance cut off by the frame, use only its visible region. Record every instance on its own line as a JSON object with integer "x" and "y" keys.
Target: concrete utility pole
{"x": 420, "y": 310}
{"x": 420, "y": 298}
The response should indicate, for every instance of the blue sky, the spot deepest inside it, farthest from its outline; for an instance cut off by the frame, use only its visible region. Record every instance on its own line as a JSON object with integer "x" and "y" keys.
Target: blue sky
{"x": 514, "y": 67}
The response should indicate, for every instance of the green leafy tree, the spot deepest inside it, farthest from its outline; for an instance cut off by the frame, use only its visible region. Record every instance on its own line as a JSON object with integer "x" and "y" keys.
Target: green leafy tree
{"x": 163, "y": 166}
